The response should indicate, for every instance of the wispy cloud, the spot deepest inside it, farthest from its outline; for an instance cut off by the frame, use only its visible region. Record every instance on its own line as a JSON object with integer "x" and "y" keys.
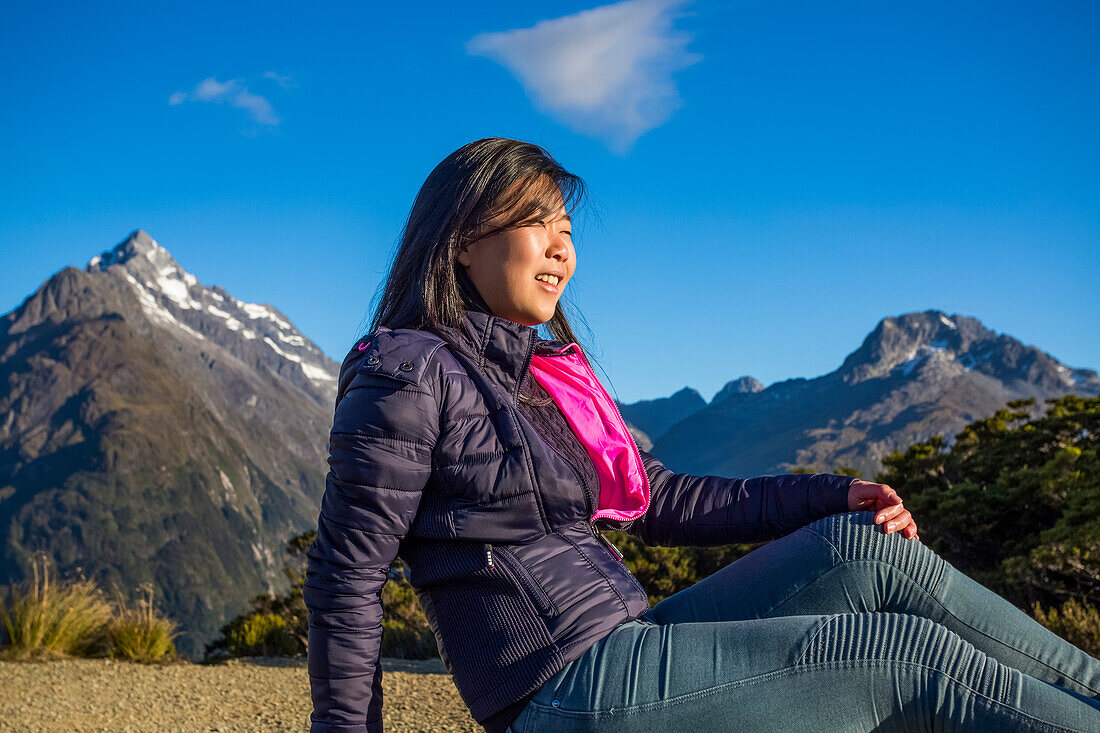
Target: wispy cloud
{"x": 234, "y": 93}
{"x": 286, "y": 81}
{"x": 605, "y": 72}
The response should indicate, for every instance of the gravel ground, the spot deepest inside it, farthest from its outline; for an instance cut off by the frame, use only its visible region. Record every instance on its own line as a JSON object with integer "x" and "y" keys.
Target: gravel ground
{"x": 260, "y": 694}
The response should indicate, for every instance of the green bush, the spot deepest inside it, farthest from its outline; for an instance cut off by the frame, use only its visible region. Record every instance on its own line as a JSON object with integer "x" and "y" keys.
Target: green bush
{"x": 405, "y": 630}
{"x": 1014, "y": 503}
{"x": 274, "y": 626}
{"x": 279, "y": 626}
{"x": 261, "y": 635}
{"x": 1076, "y": 622}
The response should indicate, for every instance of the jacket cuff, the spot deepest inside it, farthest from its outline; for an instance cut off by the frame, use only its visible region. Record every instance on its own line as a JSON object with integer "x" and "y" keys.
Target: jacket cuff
{"x": 831, "y": 496}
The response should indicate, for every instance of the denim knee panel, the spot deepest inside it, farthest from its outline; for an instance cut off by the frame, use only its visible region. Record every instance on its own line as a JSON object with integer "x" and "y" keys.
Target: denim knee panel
{"x": 904, "y": 639}
{"x": 854, "y": 536}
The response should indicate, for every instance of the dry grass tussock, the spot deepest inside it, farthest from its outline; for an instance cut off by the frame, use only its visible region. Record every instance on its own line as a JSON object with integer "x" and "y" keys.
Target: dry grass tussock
{"x": 46, "y": 618}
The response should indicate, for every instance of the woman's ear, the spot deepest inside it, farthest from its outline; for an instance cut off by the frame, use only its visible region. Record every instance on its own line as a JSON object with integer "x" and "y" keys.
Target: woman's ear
{"x": 463, "y": 255}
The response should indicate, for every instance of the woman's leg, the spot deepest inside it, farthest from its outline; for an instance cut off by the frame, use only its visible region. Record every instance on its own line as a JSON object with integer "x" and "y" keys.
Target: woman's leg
{"x": 847, "y": 564}
{"x": 847, "y": 672}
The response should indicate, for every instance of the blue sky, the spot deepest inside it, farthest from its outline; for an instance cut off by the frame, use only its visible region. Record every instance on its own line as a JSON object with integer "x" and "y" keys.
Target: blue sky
{"x": 768, "y": 178}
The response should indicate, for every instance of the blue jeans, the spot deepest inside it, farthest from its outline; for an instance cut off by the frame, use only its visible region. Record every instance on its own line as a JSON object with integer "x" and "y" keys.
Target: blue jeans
{"x": 835, "y": 627}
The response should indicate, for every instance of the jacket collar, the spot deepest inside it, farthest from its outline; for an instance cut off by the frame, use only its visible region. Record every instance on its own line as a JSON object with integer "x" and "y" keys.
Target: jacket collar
{"x": 502, "y": 349}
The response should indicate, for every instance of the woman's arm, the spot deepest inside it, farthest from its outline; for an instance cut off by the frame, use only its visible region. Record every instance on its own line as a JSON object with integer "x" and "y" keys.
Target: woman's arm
{"x": 380, "y": 451}
{"x": 687, "y": 510}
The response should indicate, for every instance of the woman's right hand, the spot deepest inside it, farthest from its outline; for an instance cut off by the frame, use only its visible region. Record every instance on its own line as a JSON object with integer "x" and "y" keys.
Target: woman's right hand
{"x": 887, "y": 505}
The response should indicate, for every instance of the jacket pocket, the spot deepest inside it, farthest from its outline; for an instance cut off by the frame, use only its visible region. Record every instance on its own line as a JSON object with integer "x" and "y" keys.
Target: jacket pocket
{"x": 499, "y": 556}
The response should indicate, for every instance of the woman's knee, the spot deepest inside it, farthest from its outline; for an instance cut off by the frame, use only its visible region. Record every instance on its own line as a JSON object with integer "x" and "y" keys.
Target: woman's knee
{"x": 852, "y": 534}
{"x": 855, "y": 537}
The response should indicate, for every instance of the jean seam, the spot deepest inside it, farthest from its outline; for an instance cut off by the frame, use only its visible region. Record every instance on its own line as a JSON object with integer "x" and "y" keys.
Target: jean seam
{"x": 931, "y": 594}
{"x": 686, "y": 697}
{"x": 837, "y": 557}
{"x": 810, "y": 643}
{"x": 994, "y": 639}
{"x": 767, "y": 614}
{"x": 528, "y": 725}
{"x": 786, "y": 672}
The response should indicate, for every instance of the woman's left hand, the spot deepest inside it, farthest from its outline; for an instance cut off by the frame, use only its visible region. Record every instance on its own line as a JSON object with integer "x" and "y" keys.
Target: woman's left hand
{"x": 886, "y": 504}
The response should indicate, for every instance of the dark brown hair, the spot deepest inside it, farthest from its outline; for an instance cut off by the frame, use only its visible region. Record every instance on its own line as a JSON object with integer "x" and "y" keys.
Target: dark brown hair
{"x": 507, "y": 182}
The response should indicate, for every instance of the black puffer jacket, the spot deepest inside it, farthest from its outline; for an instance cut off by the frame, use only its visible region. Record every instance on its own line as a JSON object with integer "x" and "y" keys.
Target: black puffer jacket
{"x": 430, "y": 459}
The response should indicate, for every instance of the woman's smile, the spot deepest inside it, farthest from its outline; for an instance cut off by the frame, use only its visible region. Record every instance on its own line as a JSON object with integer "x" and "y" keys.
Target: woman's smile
{"x": 549, "y": 282}
{"x": 503, "y": 265}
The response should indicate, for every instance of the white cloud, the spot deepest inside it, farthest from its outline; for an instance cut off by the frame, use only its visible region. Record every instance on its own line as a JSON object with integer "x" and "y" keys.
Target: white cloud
{"x": 232, "y": 92}
{"x": 605, "y": 72}
{"x": 285, "y": 81}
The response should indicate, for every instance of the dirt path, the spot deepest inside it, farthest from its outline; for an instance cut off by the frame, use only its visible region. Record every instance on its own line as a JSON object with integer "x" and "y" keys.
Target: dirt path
{"x": 238, "y": 695}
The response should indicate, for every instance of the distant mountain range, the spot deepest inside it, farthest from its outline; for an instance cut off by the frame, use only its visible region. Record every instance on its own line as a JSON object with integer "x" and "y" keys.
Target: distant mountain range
{"x": 916, "y": 375}
{"x": 156, "y": 430}
{"x": 153, "y": 429}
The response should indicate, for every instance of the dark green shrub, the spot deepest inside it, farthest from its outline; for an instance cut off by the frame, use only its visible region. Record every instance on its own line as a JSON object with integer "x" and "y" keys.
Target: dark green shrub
{"x": 1078, "y": 623}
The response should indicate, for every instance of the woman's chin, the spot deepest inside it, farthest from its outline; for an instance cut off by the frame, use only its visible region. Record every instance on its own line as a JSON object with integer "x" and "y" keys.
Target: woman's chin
{"x": 529, "y": 319}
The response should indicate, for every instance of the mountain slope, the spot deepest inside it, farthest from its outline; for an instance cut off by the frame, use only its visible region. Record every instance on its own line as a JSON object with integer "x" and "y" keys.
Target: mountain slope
{"x": 654, "y": 417}
{"x": 153, "y": 430}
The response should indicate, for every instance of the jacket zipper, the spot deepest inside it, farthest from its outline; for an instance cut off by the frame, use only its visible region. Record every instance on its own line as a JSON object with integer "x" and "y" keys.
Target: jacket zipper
{"x": 605, "y": 542}
{"x": 618, "y": 556}
{"x": 514, "y": 411}
{"x": 525, "y": 366}
{"x": 589, "y": 496}
{"x": 521, "y": 575}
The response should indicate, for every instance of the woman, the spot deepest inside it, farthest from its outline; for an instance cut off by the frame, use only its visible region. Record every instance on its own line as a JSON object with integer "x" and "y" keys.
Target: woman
{"x": 489, "y": 458}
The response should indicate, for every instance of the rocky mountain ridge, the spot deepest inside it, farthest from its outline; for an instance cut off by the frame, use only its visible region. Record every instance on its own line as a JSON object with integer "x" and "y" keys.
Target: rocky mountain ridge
{"x": 913, "y": 376}
{"x": 153, "y": 430}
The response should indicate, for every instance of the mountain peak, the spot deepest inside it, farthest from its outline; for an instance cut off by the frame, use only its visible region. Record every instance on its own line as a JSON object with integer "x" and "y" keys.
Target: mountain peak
{"x": 138, "y": 244}
{"x": 174, "y": 298}
{"x": 900, "y": 339}
{"x": 741, "y": 385}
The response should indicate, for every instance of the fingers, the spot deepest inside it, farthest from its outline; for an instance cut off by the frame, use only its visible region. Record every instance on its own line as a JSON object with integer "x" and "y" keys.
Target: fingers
{"x": 889, "y": 512}
{"x": 903, "y": 522}
{"x": 871, "y": 496}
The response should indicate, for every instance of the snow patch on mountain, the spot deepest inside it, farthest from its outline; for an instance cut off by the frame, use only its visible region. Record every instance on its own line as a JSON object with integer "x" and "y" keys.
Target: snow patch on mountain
{"x": 256, "y": 311}
{"x": 312, "y": 372}
{"x": 919, "y": 355}
{"x": 173, "y": 297}
{"x": 176, "y": 288}
{"x": 157, "y": 312}
{"x": 317, "y": 374}
{"x": 292, "y": 339}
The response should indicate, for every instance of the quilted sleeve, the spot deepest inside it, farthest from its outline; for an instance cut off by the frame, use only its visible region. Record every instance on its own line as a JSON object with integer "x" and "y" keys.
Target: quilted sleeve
{"x": 686, "y": 510}
{"x": 380, "y": 456}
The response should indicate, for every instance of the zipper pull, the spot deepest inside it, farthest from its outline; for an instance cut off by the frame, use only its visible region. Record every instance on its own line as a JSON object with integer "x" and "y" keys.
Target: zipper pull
{"x": 488, "y": 555}
{"x": 608, "y": 544}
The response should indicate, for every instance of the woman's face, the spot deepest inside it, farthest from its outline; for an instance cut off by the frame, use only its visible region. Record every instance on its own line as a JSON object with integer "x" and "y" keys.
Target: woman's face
{"x": 510, "y": 269}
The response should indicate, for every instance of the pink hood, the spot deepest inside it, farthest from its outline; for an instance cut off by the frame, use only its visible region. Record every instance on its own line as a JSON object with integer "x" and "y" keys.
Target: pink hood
{"x": 590, "y": 411}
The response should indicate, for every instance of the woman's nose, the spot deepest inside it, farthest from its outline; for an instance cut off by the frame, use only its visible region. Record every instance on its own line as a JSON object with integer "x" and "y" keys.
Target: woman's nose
{"x": 558, "y": 247}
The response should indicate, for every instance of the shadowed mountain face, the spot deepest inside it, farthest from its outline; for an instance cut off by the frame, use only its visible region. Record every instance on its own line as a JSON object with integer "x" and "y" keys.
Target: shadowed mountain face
{"x": 654, "y": 417}
{"x": 155, "y": 430}
{"x": 914, "y": 376}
